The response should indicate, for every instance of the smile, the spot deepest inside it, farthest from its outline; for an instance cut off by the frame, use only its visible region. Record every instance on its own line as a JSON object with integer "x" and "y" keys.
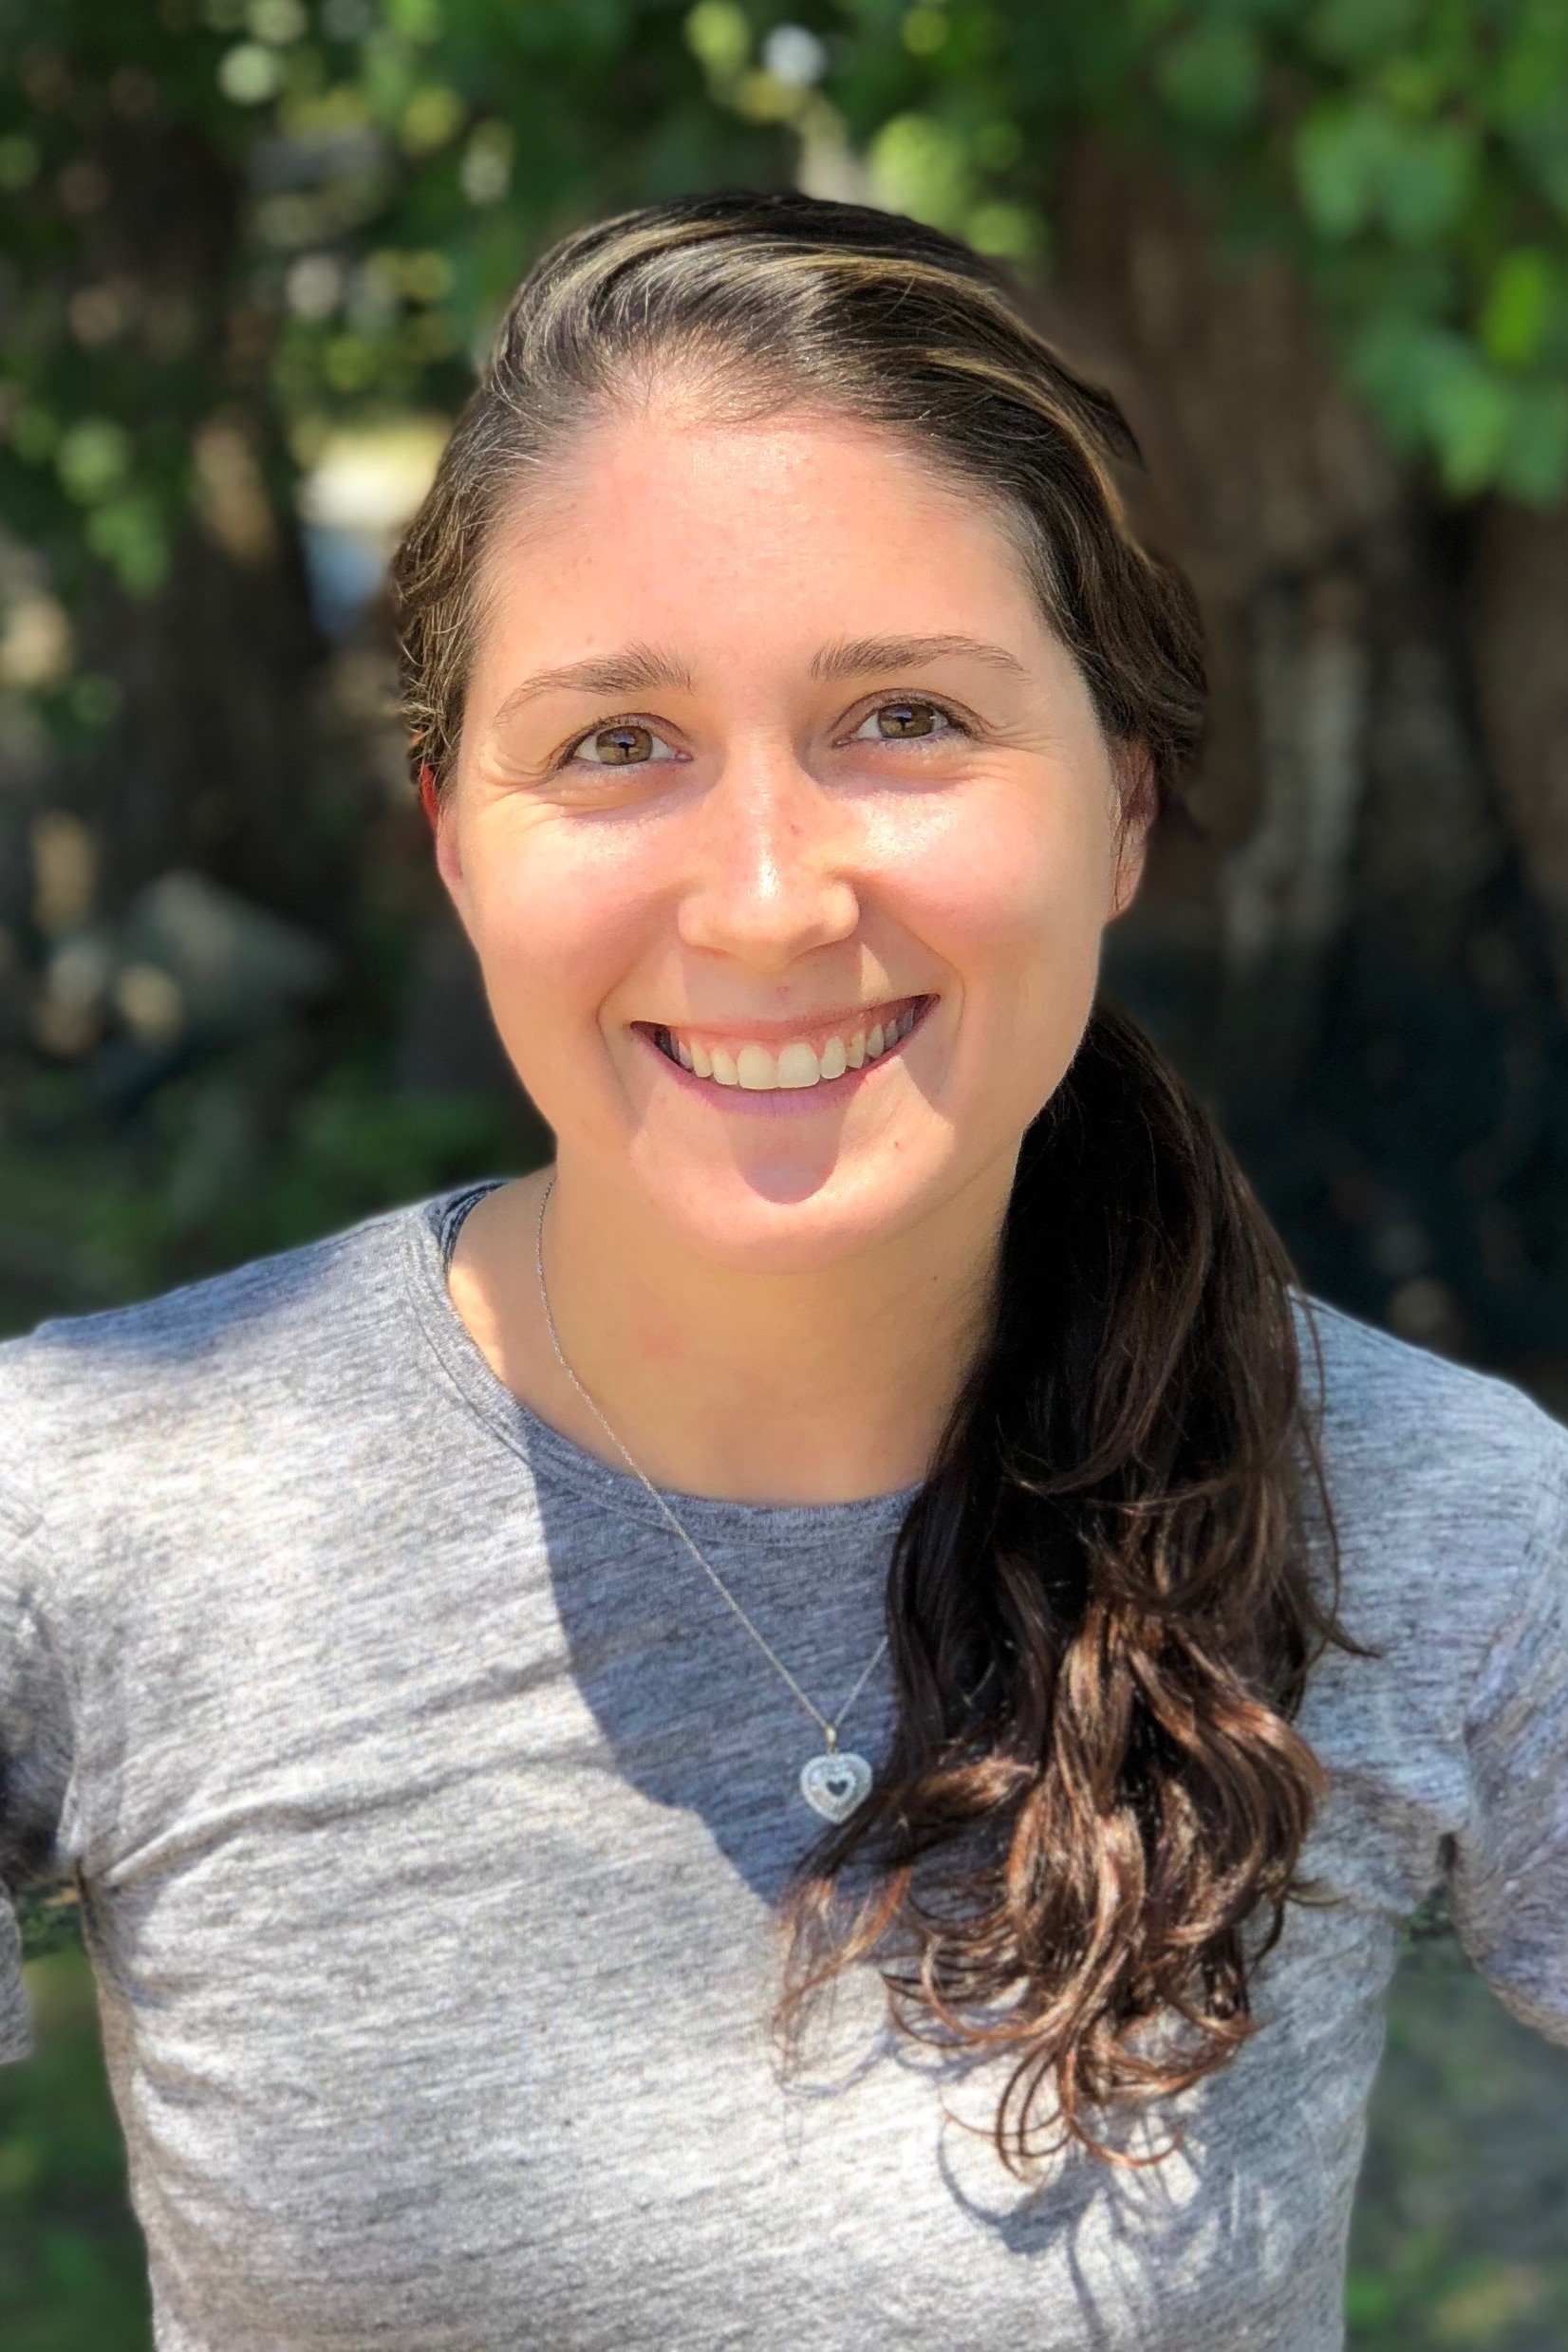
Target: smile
{"x": 816, "y": 1057}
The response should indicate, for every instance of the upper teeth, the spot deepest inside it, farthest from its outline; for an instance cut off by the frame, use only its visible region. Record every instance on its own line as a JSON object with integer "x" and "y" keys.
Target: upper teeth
{"x": 796, "y": 1064}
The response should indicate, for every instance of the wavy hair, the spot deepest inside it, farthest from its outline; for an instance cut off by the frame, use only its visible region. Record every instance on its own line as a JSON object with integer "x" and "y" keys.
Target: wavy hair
{"x": 1101, "y": 1605}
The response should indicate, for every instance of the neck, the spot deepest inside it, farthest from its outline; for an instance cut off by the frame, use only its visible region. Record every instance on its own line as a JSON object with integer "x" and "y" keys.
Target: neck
{"x": 823, "y": 1385}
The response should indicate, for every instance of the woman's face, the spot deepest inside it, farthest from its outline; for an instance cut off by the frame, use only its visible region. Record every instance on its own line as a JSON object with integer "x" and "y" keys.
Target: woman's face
{"x": 783, "y": 828}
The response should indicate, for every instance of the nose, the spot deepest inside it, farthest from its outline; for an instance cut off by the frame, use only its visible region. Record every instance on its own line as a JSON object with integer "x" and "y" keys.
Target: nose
{"x": 769, "y": 877}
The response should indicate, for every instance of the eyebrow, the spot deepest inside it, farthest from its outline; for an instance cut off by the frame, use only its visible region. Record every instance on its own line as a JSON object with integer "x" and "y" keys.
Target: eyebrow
{"x": 643, "y": 668}
{"x": 635, "y": 670}
{"x": 857, "y": 657}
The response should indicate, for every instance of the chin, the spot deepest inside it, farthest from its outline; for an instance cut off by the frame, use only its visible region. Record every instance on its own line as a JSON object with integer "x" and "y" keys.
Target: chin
{"x": 782, "y": 1215}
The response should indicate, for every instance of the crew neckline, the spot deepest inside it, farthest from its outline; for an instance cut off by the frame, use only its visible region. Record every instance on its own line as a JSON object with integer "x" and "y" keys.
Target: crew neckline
{"x": 429, "y": 1233}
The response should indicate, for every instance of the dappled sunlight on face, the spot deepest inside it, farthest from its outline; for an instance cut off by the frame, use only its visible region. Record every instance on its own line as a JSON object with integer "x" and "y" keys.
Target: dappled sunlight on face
{"x": 770, "y": 761}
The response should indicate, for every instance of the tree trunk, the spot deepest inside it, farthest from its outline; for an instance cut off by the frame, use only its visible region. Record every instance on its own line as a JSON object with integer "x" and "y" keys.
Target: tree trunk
{"x": 209, "y": 759}
{"x": 1351, "y": 956}
{"x": 1520, "y": 631}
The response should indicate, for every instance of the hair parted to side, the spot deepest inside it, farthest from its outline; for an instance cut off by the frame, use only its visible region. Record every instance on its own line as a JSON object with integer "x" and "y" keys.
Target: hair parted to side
{"x": 757, "y": 301}
{"x": 1102, "y": 1604}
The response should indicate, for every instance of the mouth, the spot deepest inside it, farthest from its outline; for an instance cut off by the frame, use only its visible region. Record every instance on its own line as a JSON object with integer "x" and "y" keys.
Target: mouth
{"x": 829, "y": 1055}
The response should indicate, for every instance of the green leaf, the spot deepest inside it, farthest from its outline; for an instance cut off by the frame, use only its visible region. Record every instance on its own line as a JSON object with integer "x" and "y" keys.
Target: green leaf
{"x": 924, "y": 30}
{"x": 278, "y": 21}
{"x": 1471, "y": 413}
{"x": 1336, "y": 151}
{"x": 718, "y": 37}
{"x": 1212, "y": 75}
{"x": 433, "y": 116}
{"x": 1425, "y": 176}
{"x": 251, "y": 73}
{"x": 1010, "y": 231}
{"x": 1358, "y": 163}
{"x": 998, "y": 145}
{"x": 35, "y": 436}
{"x": 1353, "y": 32}
{"x": 919, "y": 166}
{"x": 417, "y": 20}
{"x": 1396, "y": 357}
{"x": 92, "y": 460}
{"x": 94, "y": 699}
{"x": 18, "y": 160}
{"x": 128, "y": 534}
{"x": 1534, "y": 466}
{"x": 1518, "y": 306}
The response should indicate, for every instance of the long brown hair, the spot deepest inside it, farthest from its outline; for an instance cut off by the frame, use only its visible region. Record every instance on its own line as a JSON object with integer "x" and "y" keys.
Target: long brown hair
{"x": 1101, "y": 1607}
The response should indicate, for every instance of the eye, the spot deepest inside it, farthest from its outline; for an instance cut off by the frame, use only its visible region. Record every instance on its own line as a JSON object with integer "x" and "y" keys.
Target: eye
{"x": 626, "y": 744}
{"x": 907, "y": 716}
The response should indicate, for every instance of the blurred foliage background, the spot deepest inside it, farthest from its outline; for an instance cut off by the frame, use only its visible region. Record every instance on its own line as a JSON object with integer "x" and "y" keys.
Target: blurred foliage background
{"x": 250, "y": 252}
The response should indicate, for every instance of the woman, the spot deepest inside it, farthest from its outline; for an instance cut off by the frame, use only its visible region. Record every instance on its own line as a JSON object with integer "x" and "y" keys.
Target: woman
{"x": 800, "y": 1730}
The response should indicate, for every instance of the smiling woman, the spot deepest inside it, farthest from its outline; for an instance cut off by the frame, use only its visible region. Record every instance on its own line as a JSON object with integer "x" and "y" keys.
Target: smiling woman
{"x": 795, "y": 835}
{"x": 418, "y": 1644}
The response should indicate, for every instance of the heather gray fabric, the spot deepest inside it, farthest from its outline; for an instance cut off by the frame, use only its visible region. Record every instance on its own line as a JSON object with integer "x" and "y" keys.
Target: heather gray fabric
{"x": 428, "y": 1808}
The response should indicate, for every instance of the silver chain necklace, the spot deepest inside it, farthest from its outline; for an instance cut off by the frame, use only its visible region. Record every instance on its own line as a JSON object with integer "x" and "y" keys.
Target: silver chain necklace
{"x": 833, "y": 1783}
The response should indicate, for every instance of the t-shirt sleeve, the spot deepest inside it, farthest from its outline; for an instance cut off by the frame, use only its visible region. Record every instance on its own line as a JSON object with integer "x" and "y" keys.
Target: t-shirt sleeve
{"x": 1508, "y": 1871}
{"x": 35, "y": 1749}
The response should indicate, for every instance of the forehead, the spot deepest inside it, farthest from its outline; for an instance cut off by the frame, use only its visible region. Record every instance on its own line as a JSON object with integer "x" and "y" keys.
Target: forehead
{"x": 797, "y": 528}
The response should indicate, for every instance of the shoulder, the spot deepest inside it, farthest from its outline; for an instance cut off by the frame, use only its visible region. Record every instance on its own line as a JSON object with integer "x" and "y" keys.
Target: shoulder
{"x": 82, "y": 1393}
{"x": 1384, "y": 1401}
{"x": 1444, "y": 1481}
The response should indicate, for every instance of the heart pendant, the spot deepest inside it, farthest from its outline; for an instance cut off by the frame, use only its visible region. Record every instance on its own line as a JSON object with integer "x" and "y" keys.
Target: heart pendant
{"x": 833, "y": 1786}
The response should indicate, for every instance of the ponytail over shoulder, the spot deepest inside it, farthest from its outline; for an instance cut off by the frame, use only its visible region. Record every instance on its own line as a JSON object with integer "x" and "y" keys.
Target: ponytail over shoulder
{"x": 1101, "y": 1626}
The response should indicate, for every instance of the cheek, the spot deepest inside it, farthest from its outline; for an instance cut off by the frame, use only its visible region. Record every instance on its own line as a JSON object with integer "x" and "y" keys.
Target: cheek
{"x": 1010, "y": 887}
{"x": 557, "y": 916}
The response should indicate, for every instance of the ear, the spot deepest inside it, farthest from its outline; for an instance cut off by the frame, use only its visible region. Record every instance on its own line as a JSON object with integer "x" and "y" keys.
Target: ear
{"x": 443, "y": 832}
{"x": 1140, "y": 802}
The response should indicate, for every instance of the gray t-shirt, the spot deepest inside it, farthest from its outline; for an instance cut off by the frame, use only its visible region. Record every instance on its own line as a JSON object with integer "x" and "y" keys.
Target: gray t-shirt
{"x": 428, "y": 1809}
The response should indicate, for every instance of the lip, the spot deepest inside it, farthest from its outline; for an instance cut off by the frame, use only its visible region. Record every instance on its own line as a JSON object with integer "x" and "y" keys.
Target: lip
{"x": 783, "y": 1102}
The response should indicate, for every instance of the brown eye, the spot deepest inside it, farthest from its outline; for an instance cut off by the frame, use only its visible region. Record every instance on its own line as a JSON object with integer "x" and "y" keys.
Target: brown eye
{"x": 625, "y": 743}
{"x": 893, "y": 722}
{"x": 620, "y": 747}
